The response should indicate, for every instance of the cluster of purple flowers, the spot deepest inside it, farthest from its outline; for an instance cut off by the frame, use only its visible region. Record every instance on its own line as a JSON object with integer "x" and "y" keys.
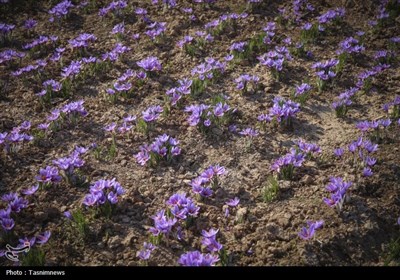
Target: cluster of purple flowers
{"x": 363, "y": 149}
{"x": 68, "y": 164}
{"x": 60, "y": 10}
{"x": 145, "y": 253}
{"x": 309, "y": 149}
{"x": 282, "y": 111}
{"x": 224, "y": 19}
{"x": 163, "y": 224}
{"x": 273, "y": 60}
{"x": 383, "y": 56}
{"x": 332, "y": 15}
{"x": 168, "y": 3}
{"x": 244, "y": 80}
{"x": 102, "y": 191}
{"x": 302, "y": 89}
{"x": 206, "y": 115}
{"x": 344, "y": 101}
{"x": 156, "y": 29}
{"x": 70, "y": 111}
{"x": 337, "y": 189}
{"x": 233, "y": 203}
{"x": 114, "y": 54}
{"x": 308, "y": 233}
{"x": 269, "y": 30}
{"x": 299, "y": 7}
{"x": 115, "y": 7}
{"x": 182, "y": 207}
{"x": 350, "y": 45}
{"x": 209, "y": 240}
{"x": 12, "y": 140}
{"x": 238, "y": 47}
{"x": 394, "y": 107}
{"x": 152, "y": 113}
{"x": 176, "y": 93}
{"x": 367, "y": 126}
{"x": 185, "y": 41}
{"x": 365, "y": 78}
{"x": 49, "y": 87}
{"x": 72, "y": 70}
{"x": 250, "y": 132}
{"x": 30, "y": 23}
{"x": 39, "y": 64}
{"x": 383, "y": 13}
{"x": 209, "y": 69}
{"x": 81, "y": 41}
{"x": 285, "y": 165}
{"x": 164, "y": 146}
{"x": 48, "y": 176}
{"x": 204, "y": 184}
{"x": 324, "y": 69}
{"x": 196, "y": 258}
{"x": 8, "y": 55}
{"x": 40, "y": 239}
{"x": 40, "y": 41}
{"x": 118, "y": 28}
{"x": 74, "y": 109}
{"x": 6, "y": 28}
{"x": 57, "y": 55}
{"x": 150, "y": 64}
{"x": 15, "y": 204}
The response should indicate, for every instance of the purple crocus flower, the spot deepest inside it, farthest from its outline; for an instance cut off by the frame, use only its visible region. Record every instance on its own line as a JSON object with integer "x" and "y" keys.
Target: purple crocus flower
{"x": 17, "y": 204}
{"x": 43, "y": 238}
{"x": 211, "y": 244}
{"x": 5, "y": 213}
{"x": 209, "y": 234}
{"x": 152, "y": 113}
{"x": 249, "y": 132}
{"x": 367, "y": 172}
{"x": 7, "y": 224}
{"x": 90, "y": 200}
{"x": 26, "y": 240}
{"x": 112, "y": 197}
{"x": 48, "y": 175}
{"x": 338, "y": 152}
{"x": 68, "y": 215}
{"x": 308, "y": 233}
{"x": 30, "y": 23}
{"x": 196, "y": 258}
{"x": 8, "y": 197}
{"x": 150, "y": 64}
{"x": 145, "y": 253}
{"x": 233, "y": 202}
{"x": 30, "y": 190}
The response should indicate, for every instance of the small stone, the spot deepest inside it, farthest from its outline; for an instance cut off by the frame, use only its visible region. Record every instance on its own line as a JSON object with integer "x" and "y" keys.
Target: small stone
{"x": 129, "y": 239}
{"x": 283, "y": 222}
{"x": 123, "y": 162}
{"x": 239, "y": 231}
{"x": 216, "y": 131}
{"x": 41, "y": 216}
{"x": 114, "y": 242}
{"x": 63, "y": 208}
{"x": 241, "y": 214}
{"x": 108, "y": 255}
{"x": 307, "y": 180}
{"x": 126, "y": 255}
